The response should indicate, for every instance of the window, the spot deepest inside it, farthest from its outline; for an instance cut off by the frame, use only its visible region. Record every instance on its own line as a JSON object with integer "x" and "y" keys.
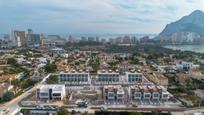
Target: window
{"x": 71, "y": 79}
{"x": 43, "y": 94}
{"x": 137, "y": 95}
{"x": 156, "y": 95}
{"x": 117, "y": 79}
{"x": 147, "y": 96}
{"x": 102, "y": 79}
{"x": 165, "y": 95}
{"x": 67, "y": 79}
{"x": 85, "y": 79}
{"x": 67, "y": 75}
{"x": 56, "y": 94}
{"x": 120, "y": 95}
{"x": 136, "y": 79}
{"x": 110, "y": 94}
{"x": 110, "y": 78}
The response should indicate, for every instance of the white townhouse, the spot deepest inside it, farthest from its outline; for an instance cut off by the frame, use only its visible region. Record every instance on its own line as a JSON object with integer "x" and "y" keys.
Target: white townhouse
{"x": 51, "y": 92}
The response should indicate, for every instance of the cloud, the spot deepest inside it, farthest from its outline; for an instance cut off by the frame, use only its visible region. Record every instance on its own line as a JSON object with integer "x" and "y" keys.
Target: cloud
{"x": 93, "y": 16}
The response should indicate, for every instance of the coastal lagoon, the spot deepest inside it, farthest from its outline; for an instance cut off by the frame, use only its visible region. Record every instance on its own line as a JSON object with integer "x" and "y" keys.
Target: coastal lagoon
{"x": 194, "y": 48}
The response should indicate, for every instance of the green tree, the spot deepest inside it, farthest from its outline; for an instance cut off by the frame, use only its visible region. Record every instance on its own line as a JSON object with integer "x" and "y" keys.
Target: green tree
{"x": 167, "y": 60}
{"x": 11, "y": 61}
{"x": 52, "y": 79}
{"x": 25, "y": 111}
{"x": 138, "y": 113}
{"x": 113, "y": 63}
{"x": 134, "y": 61}
{"x": 16, "y": 84}
{"x": 31, "y": 82}
{"x": 62, "y": 111}
{"x": 25, "y": 84}
{"x": 50, "y": 67}
{"x": 95, "y": 66}
{"x": 7, "y": 96}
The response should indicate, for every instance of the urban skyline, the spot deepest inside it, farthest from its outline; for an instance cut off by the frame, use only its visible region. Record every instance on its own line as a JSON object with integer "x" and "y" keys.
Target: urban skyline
{"x": 95, "y": 57}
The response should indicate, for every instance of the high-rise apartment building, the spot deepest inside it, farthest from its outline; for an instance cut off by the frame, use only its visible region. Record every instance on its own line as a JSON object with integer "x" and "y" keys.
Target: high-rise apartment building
{"x": 19, "y": 38}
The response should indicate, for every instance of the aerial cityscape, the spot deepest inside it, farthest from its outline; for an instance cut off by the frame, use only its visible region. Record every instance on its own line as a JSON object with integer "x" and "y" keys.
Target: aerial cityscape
{"x": 99, "y": 58}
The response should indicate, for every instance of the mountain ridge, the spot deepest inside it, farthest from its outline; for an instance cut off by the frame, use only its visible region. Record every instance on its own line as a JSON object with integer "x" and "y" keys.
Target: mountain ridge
{"x": 196, "y": 19}
{"x": 188, "y": 29}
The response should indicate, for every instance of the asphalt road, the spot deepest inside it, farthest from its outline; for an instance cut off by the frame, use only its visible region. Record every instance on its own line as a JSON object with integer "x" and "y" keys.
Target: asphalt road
{"x": 13, "y": 106}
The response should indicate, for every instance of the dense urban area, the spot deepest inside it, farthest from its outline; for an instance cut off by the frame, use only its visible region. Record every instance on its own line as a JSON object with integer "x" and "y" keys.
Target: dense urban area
{"x": 94, "y": 75}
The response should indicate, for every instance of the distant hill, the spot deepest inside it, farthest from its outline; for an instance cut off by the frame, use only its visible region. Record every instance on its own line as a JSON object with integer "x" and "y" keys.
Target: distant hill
{"x": 188, "y": 30}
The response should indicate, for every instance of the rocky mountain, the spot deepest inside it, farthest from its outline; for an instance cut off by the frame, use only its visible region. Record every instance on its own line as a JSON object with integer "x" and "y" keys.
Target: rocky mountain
{"x": 188, "y": 30}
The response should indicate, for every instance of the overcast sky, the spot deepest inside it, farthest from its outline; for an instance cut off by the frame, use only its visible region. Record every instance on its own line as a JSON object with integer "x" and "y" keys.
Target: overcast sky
{"x": 93, "y": 16}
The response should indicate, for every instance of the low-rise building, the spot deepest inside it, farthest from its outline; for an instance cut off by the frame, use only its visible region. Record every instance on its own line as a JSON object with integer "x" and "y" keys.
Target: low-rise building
{"x": 146, "y": 91}
{"x": 114, "y": 93}
{"x": 107, "y": 77}
{"x": 57, "y": 51}
{"x": 42, "y": 59}
{"x": 134, "y": 77}
{"x": 151, "y": 93}
{"x": 3, "y": 61}
{"x": 18, "y": 76}
{"x": 186, "y": 66}
{"x": 51, "y": 92}
{"x": 20, "y": 60}
{"x": 166, "y": 69}
{"x": 74, "y": 77}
